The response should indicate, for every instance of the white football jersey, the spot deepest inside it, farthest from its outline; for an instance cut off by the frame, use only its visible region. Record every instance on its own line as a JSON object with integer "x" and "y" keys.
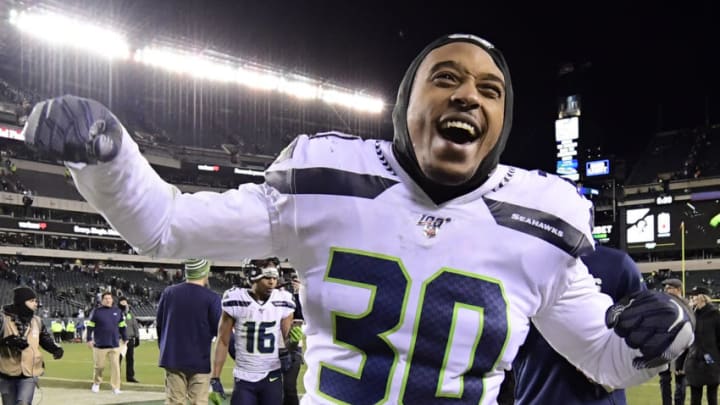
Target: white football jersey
{"x": 257, "y": 331}
{"x": 405, "y": 301}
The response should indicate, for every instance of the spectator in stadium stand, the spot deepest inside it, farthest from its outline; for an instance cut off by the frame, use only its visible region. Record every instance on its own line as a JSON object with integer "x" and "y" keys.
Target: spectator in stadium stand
{"x": 187, "y": 320}
{"x": 673, "y": 286}
{"x": 408, "y": 230}
{"x": 22, "y": 333}
{"x": 105, "y": 329}
{"x": 542, "y": 376}
{"x": 133, "y": 339}
{"x": 702, "y": 365}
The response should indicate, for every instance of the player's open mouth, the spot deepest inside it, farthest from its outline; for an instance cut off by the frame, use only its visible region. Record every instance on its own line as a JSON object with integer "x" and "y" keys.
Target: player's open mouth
{"x": 458, "y": 130}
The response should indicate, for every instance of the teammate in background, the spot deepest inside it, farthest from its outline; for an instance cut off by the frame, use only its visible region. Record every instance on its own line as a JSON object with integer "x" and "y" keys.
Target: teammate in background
{"x": 187, "y": 319}
{"x": 260, "y": 318}
{"x": 22, "y": 334}
{"x": 423, "y": 260}
{"x": 542, "y": 376}
{"x": 673, "y": 286}
{"x": 105, "y": 333}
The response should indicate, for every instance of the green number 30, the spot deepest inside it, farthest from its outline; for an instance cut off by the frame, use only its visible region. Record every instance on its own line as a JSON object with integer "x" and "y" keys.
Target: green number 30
{"x": 442, "y": 297}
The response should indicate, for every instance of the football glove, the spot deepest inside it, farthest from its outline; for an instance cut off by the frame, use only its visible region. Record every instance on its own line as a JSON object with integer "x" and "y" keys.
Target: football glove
{"x": 286, "y": 360}
{"x": 215, "y": 398}
{"x": 295, "y": 335}
{"x": 660, "y": 325}
{"x": 73, "y": 129}
{"x": 217, "y": 393}
{"x": 58, "y": 353}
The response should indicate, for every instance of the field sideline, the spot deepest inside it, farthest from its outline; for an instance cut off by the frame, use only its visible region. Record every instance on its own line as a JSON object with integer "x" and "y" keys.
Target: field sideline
{"x": 77, "y": 365}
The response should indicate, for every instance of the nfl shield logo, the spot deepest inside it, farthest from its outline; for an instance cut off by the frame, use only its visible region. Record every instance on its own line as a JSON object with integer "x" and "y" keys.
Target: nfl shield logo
{"x": 431, "y": 225}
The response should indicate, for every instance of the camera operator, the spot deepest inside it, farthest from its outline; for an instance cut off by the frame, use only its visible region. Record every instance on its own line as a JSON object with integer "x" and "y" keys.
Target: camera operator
{"x": 23, "y": 333}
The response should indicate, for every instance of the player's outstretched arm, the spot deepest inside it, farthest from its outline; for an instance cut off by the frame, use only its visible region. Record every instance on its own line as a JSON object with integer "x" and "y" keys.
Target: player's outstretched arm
{"x": 149, "y": 213}
{"x": 640, "y": 344}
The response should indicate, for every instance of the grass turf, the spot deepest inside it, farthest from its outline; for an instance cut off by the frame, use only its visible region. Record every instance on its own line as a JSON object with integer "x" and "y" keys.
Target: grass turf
{"x": 77, "y": 365}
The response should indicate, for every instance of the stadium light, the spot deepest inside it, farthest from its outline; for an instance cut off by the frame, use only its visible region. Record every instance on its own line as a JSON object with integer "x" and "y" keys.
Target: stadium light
{"x": 61, "y": 30}
{"x": 258, "y": 78}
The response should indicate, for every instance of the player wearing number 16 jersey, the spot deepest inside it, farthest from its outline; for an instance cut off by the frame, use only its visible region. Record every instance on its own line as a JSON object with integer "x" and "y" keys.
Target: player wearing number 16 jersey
{"x": 259, "y": 317}
{"x": 424, "y": 259}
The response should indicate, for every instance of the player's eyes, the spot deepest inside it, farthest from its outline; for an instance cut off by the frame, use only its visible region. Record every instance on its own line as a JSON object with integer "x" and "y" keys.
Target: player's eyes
{"x": 444, "y": 78}
{"x": 490, "y": 91}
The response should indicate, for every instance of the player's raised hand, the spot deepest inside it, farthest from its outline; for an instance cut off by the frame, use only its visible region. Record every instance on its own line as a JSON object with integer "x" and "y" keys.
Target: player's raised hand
{"x": 74, "y": 129}
{"x": 660, "y": 325}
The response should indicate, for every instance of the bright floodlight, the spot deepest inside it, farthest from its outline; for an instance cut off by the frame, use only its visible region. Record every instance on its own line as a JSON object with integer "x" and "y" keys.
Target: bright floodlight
{"x": 207, "y": 68}
{"x": 62, "y": 30}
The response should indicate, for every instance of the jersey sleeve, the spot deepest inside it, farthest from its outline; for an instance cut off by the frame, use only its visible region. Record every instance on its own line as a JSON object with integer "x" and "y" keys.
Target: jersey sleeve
{"x": 159, "y": 220}
{"x": 287, "y": 304}
{"x": 574, "y": 325}
{"x": 231, "y": 303}
{"x": 562, "y": 198}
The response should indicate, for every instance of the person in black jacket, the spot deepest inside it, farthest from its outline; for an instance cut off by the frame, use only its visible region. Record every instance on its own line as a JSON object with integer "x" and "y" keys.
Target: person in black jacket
{"x": 291, "y": 284}
{"x": 702, "y": 366}
{"x": 674, "y": 286}
{"x": 132, "y": 330}
{"x": 22, "y": 333}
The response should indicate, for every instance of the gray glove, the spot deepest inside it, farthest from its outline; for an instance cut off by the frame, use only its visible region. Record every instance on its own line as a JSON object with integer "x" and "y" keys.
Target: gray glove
{"x": 74, "y": 129}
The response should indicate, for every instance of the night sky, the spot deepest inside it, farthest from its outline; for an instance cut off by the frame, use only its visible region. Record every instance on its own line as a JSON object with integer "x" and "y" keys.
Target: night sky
{"x": 639, "y": 69}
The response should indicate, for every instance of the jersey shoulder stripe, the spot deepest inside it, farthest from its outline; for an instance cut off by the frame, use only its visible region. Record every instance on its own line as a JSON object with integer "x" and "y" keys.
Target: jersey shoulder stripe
{"x": 545, "y": 206}
{"x": 322, "y": 180}
{"x": 540, "y": 224}
{"x": 310, "y": 166}
{"x": 236, "y": 303}
{"x": 285, "y": 304}
{"x": 336, "y": 134}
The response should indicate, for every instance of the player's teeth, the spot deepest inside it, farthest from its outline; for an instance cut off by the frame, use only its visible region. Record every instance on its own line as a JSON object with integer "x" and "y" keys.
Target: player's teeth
{"x": 461, "y": 125}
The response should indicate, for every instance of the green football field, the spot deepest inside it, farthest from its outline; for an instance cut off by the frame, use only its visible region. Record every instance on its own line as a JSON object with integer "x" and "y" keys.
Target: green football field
{"x": 77, "y": 365}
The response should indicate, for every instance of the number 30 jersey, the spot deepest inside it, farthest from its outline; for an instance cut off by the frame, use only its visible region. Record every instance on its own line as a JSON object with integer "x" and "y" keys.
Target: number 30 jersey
{"x": 417, "y": 303}
{"x": 405, "y": 301}
{"x": 257, "y": 331}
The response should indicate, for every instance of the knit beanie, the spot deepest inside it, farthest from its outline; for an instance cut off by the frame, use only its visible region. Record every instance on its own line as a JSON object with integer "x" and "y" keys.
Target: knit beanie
{"x": 22, "y": 294}
{"x": 196, "y": 269}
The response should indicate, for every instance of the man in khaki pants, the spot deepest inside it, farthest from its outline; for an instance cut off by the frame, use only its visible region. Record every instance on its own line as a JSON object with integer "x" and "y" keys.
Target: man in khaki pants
{"x": 187, "y": 320}
{"x": 108, "y": 326}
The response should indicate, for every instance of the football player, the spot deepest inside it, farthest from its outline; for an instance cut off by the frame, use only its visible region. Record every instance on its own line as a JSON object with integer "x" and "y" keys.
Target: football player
{"x": 259, "y": 317}
{"x": 423, "y": 259}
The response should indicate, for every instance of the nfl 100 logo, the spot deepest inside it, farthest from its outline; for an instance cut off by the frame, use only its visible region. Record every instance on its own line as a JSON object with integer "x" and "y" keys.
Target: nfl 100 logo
{"x": 431, "y": 224}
